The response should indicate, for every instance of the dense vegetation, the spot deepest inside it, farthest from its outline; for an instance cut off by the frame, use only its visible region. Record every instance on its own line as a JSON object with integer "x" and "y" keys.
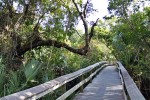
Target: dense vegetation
{"x": 40, "y": 41}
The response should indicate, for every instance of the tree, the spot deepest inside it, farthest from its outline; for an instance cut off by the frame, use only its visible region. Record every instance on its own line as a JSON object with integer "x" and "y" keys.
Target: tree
{"x": 28, "y": 24}
{"x": 131, "y": 39}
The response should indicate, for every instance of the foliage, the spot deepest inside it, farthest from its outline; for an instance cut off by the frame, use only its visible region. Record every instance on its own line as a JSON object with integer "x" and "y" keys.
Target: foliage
{"x": 35, "y": 37}
{"x": 31, "y": 24}
{"x": 2, "y": 74}
{"x": 29, "y": 30}
{"x": 129, "y": 38}
{"x": 15, "y": 81}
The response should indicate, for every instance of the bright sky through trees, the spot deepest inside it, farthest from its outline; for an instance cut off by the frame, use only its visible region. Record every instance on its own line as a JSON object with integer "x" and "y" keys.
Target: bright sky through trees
{"x": 101, "y": 6}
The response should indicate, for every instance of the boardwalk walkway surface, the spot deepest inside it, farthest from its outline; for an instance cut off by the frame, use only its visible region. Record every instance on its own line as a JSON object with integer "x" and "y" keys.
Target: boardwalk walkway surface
{"x": 105, "y": 86}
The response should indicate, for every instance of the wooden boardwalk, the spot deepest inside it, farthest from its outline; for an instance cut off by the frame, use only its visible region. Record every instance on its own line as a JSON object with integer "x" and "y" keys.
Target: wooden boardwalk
{"x": 106, "y": 85}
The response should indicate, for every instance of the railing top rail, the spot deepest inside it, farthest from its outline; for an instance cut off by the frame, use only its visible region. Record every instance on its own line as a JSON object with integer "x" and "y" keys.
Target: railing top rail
{"x": 132, "y": 90}
{"x": 45, "y": 88}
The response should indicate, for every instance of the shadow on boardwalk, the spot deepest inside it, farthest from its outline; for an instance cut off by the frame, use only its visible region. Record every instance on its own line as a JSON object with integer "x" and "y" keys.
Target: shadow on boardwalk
{"x": 105, "y": 86}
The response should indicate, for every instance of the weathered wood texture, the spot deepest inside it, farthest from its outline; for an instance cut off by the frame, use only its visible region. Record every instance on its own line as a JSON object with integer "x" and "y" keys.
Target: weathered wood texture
{"x": 80, "y": 84}
{"x": 106, "y": 86}
{"x": 43, "y": 89}
{"x": 132, "y": 90}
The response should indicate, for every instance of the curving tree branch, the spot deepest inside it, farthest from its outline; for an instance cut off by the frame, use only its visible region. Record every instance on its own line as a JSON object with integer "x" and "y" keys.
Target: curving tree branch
{"x": 38, "y": 41}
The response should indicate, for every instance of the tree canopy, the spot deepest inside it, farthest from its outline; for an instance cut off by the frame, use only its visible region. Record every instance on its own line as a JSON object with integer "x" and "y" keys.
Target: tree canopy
{"x": 29, "y": 24}
{"x": 39, "y": 40}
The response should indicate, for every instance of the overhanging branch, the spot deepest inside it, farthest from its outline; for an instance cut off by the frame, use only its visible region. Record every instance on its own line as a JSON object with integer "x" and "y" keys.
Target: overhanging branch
{"x": 37, "y": 43}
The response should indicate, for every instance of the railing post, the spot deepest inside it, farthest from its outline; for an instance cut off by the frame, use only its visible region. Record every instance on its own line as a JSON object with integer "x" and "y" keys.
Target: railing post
{"x": 90, "y": 74}
{"x": 64, "y": 88}
{"x": 81, "y": 78}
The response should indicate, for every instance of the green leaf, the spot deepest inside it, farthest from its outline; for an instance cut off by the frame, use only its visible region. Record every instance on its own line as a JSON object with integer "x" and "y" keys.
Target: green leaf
{"x": 31, "y": 69}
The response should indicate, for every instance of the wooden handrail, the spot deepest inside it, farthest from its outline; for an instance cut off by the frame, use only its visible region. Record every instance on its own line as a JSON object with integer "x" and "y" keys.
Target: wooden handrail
{"x": 48, "y": 87}
{"x": 132, "y": 90}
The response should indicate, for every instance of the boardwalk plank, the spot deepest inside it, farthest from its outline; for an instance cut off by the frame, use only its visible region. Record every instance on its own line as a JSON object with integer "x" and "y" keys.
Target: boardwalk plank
{"x": 106, "y": 86}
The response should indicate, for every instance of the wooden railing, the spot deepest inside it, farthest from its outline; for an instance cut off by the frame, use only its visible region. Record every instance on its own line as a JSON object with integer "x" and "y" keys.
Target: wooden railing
{"x": 132, "y": 91}
{"x": 48, "y": 87}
